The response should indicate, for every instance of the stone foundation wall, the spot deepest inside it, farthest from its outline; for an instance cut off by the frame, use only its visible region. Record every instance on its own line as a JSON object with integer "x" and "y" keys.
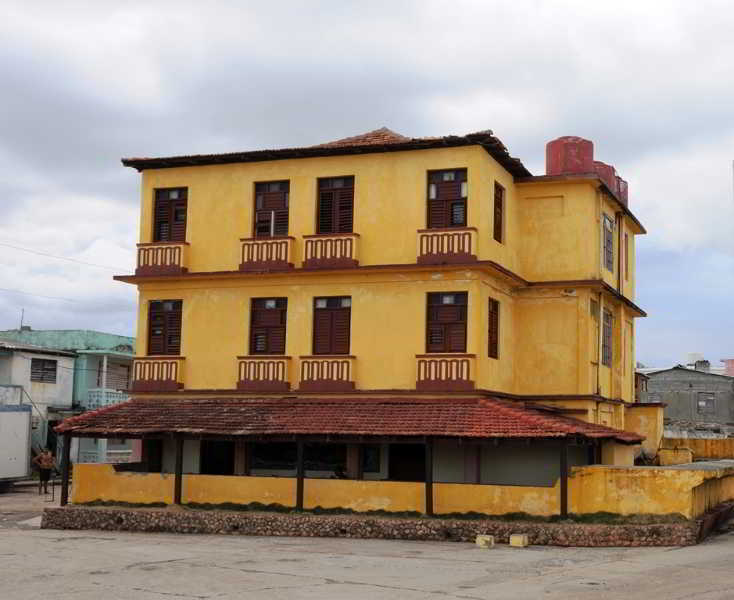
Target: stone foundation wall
{"x": 354, "y": 526}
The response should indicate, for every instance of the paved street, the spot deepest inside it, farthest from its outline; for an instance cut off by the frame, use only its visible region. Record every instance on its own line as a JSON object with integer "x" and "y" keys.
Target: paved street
{"x": 90, "y": 565}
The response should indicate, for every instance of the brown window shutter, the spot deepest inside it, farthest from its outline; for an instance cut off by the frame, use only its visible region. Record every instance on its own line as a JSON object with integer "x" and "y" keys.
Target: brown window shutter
{"x": 499, "y": 208}
{"x": 326, "y": 220}
{"x": 268, "y": 317}
{"x": 173, "y": 329}
{"x": 494, "y": 328}
{"x": 331, "y": 325}
{"x": 607, "y": 332}
{"x": 340, "y": 331}
{"x": 322, "y": 332}
{"x": 164, "y": 327}
{"x": 345, "y": 210}
{"x": 437, "y": 214}
{"x": 169, "y": 215}
{"x": 271, "y": 208}
{"x": 446, "y": 322}
{"x": 446, "y": 201}
{"x": 162, "y": 225}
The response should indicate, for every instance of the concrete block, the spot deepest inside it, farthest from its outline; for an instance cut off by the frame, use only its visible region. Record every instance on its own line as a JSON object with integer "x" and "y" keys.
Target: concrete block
{"x": 519, "y": 540}
{"x": 485, "y": 541}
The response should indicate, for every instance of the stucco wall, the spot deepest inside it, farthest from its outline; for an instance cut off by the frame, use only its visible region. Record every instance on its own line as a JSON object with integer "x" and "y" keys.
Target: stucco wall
{"x": 679, "y": 389}
{"x": 715, "y": 449}
{"x": 647, "y": 421}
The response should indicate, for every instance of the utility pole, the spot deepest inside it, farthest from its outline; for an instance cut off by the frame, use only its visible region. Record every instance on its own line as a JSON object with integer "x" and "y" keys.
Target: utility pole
{"x": 22, "y": 314}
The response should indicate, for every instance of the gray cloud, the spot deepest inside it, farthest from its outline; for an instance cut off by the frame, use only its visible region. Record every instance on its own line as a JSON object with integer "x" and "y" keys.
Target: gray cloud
{"x": 85, "y": 83}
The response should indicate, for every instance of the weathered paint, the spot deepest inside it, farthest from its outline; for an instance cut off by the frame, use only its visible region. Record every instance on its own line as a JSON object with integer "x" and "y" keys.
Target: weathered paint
{"x": 674, "y": 456}
{"x": 714, "y": 449}
{"x": 219, "y": 489}
{"x": 392, "y": 496}
{"x": 621, "y": 455}
{"x": 495, "y": 499}
{"x": 101, "y": 482}
{"x": 646, "y": 420}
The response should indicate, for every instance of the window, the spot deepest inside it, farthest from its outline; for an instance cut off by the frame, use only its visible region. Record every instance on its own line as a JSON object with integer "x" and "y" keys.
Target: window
{"x": 273, "y": 456}
{"x": 606, "y": 341}
{"x": 271, "y": 208}
{"x": 331, "y": 318}
{"x": 267, "y": 325}
{"x": 499, "y": 211}
{"x": 335, "y": 205}
{"x": 169, "y": 218}
{"x": 164, "y": 327}
{"x": 609, "y": 243}
{"x": 706, "y": 403}
{"x": 446, "y": 329}
{"x": 626, "y": 257}
{"x": 494, "y": 328}
{"x": 43, "y": 371}
{"x": 447, "y": 193}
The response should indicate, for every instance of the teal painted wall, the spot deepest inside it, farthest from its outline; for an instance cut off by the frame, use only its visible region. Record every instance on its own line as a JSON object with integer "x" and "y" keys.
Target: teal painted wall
{"x": 70, "y": 339}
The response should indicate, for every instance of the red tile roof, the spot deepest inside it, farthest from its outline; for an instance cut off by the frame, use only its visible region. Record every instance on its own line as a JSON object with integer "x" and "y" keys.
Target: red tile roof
{"x": 379, "y": 140}
{"x": 466, "y": 418}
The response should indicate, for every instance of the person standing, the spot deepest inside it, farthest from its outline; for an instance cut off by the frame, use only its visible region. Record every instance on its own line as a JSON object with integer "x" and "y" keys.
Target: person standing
{"x": 45, "y": 463}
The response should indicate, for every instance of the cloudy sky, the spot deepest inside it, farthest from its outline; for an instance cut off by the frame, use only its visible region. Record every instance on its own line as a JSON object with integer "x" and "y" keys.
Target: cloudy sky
{"x": 85, "y": 83}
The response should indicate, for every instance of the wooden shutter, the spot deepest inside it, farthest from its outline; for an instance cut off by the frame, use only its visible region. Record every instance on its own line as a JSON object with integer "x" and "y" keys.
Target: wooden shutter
{"x": 446, "y": 323}
{"x": 164, "y": 327}
{"x": 326, "y": 212}
{"x": 606, "y": 347}
{"x": 336, "y": 205}
{"x": 43, "y": 371}
{"x": 608, "y": 227}
{"x": 169, "y": 216}
{"x": 446, "y": 199}
{"x": 494, "y": 328}
{"x": 162, "y": 225}
{"x": 268, "y": 318}
{"x": 331, "y": 326}
{"x": 499, "y": 209}
{"x": 173, "y": 328}
{"x": 345, "y": 210}
{"x": 271, "y": 208}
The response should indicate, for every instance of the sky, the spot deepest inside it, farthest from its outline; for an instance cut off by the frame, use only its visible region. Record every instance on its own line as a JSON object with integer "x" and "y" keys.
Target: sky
{"x": 86, "y": 83}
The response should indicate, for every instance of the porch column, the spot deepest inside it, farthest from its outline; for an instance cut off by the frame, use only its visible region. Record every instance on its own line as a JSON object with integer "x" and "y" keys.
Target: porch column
{"x": 65, "y": 460}
{"x": 299, "y": 475}
{"x": 241, "y": 458}
{"x": 354, "y": 461}
{"x": 564, "y": 478}
{"x": 178, "y": 475}
{"x": 104, "y": 376}
{"x": 429, "y": 477}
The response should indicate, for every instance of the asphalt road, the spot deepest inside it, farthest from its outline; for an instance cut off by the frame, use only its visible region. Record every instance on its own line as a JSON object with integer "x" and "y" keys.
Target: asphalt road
{"x": 90, "y": 565}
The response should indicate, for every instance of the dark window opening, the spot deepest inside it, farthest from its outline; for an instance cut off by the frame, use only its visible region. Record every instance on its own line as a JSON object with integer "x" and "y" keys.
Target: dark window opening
{"x": 335, "y": 205}
{"x": 499, "y": 209}
{"x": 331, "y": 325}
{"x": 626, "y": 257}
{"x": 169, "y": 217}
{"x": 371, "y": 458}
{"x": 447, "y": 198}
{"x": 407, "y": 462}
{"x": 216, "y": 457}
{"x": 606, "y": 346}
{"x": 494, "y": 328}
{"x": 43, "y": 371}
{"x": 164, "y": 327}
{"x": 446, "y": 322}
{"x": 271, "y": 208}
{"x": 609, "y": 243}
{"x": 268, "y": 318}
{"x": 153, "y": 455}
{"x": 326, "y": 457}
{"x": 280, "y": 456}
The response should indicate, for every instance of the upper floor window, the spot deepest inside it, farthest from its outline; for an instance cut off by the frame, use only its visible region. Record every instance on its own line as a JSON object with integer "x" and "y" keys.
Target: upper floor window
{"x": 606, "y": 338}
{"x": 271, "y": 208}
{"x": 267, "y": 325}
{"x": 331, "y": 325}
{"x": 447, "y": 194}
{"x": 43, "y": 370}
{"x": 706, "y": 403}
{"x": 494, "y": 329}
{"x": 609, "y": 243}
{"x": 164, "y": 327}
{"x": 499, "y": 212}
{"x": 446, "y": 322}
{"x": 626, "y": 257}
{"x": 335, "y": 205}
{"x": 169, "y": 217}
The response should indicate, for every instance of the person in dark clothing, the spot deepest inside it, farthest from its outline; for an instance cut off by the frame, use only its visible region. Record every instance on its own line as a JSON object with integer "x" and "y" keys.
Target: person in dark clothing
{"x": 45, "y": 463}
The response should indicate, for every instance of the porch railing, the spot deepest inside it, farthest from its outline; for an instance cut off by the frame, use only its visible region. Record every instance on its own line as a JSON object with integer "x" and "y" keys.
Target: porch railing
{"x": 266, "y": 254}
{"x": 331, "y": 251}
{"x": 447, "y": 246}
{"x": 327, "y": 373}
{"x": 99, "y": 398}
{"x": 158, "y": 374}
{"x": 162, "y": 258}
{"x": 263, "y": 373}
{"x": 445, "y": 372}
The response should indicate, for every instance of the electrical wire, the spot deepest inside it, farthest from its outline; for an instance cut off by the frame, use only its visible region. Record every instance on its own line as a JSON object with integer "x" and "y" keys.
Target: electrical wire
{"x": 38, "y": 295}
{"x": 74, "y": 260}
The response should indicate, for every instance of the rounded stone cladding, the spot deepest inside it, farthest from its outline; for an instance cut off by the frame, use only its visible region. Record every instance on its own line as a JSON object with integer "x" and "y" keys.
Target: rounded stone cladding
{"x": 569, "y": 154}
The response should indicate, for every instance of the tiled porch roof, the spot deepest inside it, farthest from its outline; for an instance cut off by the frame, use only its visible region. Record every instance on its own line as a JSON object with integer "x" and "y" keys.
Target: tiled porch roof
{"x": 404, "y": 417}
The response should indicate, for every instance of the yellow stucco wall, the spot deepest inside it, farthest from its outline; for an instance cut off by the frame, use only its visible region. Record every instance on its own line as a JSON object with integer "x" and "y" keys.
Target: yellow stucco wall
{"x": 219, "y": 489}
{"x": 622, "y": 455}
{"x": 101, "y": 482}
{"x": 495, "y": 499}
{"x": 648, "y": 421}
{"x": 674, "y": 456}
{"x": 392, "y": 496}
{"x": 714, "y": 449}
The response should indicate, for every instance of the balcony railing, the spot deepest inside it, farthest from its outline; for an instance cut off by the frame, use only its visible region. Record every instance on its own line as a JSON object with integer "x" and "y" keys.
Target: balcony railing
{"x": 445, "y": 372}
{"x": 263, "y": 373}
{"x": 266, "y": 254}
{"x": 99, "y": 398}
{"x": 447, "y": 246}
{"x": 331, "y": 251}
{"x": 333, "y": 373}
{"x": 158, "y": 374}
{"x": 162, "y": 258}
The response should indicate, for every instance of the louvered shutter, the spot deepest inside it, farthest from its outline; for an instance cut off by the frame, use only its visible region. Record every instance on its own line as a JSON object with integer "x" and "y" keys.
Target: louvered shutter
{"x": 340, "y": 331}
{"x": 446, "y": 323}
{"x": 178, "y": 218}
{"x": 446, "y": 199}
{"x": 322, "y": 331}
{"x": 437, "y": 214}
{"x": 494, "y": 328}
{"x": 326, "y": 211}
{"x": 271, "y": 214}
{"x": 173, "y": 329}
{"x": 156, "y": 328}
{"x": 169, "y": 215}
{"x": 456, "y": 337}
{"x": 499, "y": 207}
{"x": 345, "y": 210}
{"x": 162, "y": 225}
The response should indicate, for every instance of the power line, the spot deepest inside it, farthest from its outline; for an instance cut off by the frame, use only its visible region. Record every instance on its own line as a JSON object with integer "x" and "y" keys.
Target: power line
{"x": 39, "y": 295}
{"x": 74, "y": 260}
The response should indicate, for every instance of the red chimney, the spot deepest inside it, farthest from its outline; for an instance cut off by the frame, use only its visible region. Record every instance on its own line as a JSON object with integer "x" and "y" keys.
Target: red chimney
{"x": 569, "y": 154}
{"x": 608, "y": 175}
{"x": 622, "y": 190}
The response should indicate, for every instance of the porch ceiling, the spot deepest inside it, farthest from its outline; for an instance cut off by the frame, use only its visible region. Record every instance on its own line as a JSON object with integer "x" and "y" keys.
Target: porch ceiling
{"x": 475, "y": 418}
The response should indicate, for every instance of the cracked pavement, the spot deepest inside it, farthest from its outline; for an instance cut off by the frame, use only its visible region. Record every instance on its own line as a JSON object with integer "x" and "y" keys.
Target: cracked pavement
{"x": 86, "y": 565}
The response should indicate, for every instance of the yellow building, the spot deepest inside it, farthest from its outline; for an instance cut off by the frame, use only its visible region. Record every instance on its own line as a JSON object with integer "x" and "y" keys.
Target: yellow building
{"x": 387, "y": 309}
